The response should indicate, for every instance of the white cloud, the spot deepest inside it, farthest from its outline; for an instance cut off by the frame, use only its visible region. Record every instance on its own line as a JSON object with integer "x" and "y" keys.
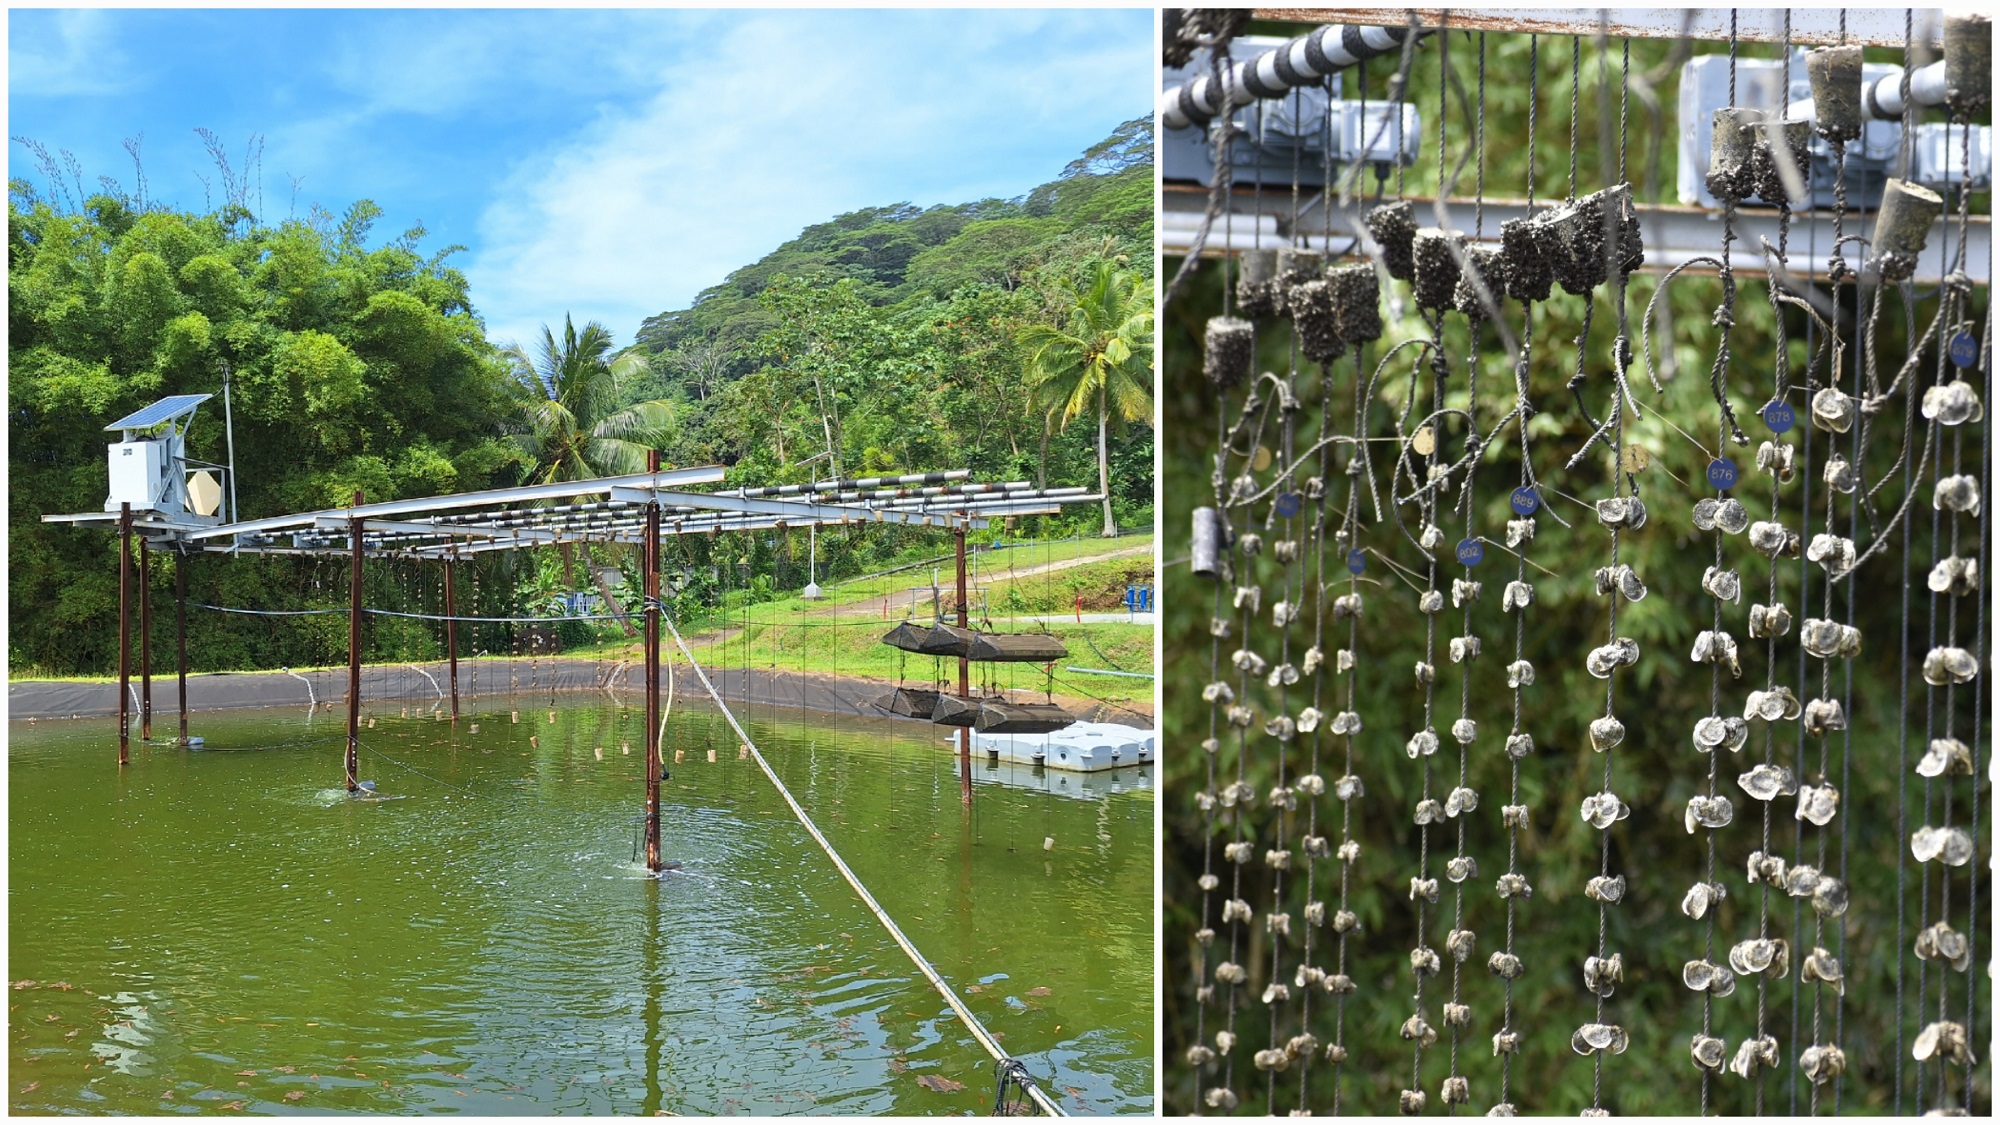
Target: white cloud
{"x": 65, "y": 53}
{"x": 779, "y": 120}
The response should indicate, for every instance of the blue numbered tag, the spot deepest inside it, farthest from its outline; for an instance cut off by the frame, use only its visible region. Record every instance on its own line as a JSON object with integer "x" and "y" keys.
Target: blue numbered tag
{"x": 1722, "y": 473}
{"x": 1779, "y": 416}
{"x": 1524, "y": 501}
{"x": 1288, "y": 505}
{"x": 1357, "y": 561}
{"x": 1470, "y": 551}
{"x": 1964, "y": 349}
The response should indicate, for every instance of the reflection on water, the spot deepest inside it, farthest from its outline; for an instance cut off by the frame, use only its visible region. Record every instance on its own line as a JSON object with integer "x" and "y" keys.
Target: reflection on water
{"x": 226, "y": 929}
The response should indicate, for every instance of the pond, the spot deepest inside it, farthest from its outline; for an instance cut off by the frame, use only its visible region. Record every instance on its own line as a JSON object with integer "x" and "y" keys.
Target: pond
{"x": 223, "y": 929}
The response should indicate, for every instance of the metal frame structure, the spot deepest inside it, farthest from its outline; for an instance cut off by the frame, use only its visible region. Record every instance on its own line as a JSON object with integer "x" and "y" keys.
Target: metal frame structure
{"x": 1674, "y": 234}
{"x": 636, "y": 508}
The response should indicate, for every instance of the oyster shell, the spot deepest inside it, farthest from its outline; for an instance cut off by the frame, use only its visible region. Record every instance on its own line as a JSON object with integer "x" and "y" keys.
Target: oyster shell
{"x": 1608, "y": 1038}
{"x": 1722, "y": 585}
{"x": 1517, "y": 595}
{"x": 1708, "y": 812}
{"x": 1833, "y": 411}
{"x": 1957, "y": 493}
{"x": 1700, "y": 898}
{"x": 1946, "y": 756}
{"x": 1818, "y": 804}
{"x": 1949, "y": 665}
{"x": 1421, "y": 744}
{"x": 1953, "y": 404}
{"x": 1769, "y": 781}
{"x": 1768, "y": 621}
{"x": 1950, "y": 845}
{"x": 1520, "y": 674}
{"x": 1606, "y": 733}
{"x": 1602, "y": 810}
{"x": 1706, "y": 976}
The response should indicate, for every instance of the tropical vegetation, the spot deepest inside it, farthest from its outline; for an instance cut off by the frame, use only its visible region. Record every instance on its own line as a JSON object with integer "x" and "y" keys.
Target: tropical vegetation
{"x": 886, "y": 340}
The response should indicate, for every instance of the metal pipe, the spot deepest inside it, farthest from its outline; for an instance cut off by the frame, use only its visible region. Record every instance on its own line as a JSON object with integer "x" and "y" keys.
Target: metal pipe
{"x": 1303, "y": 61}
{"x": 124, "y": 634}
{"x": 451, "y": 628}
{"x": 650, "y": 553}
{"x": 964, "y": 681}
{"x": 354, "y": 653}
{"x": 145, "y": 644}
{"x": 181, "y": 634}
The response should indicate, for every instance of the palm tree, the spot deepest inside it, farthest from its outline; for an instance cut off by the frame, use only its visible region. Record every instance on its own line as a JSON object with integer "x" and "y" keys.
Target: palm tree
{"x": 576, "y": 428}
{"x": 1100, "y": 360}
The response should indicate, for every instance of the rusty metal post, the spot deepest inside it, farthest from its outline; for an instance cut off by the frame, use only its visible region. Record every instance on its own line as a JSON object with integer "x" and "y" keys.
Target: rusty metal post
{"x": 650, "y": 555}
{"x": 124, "y": 634}
{"x": 451, "y": 628}
{"x": 145, "y": 644}
{"x": 181, "y": 633}
{"x": 964, "y": 678}
{"x": 354, "y": 653}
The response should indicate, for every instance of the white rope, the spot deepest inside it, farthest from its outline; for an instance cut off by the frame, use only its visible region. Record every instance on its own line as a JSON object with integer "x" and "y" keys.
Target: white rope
{"x": 971, "y": 1022}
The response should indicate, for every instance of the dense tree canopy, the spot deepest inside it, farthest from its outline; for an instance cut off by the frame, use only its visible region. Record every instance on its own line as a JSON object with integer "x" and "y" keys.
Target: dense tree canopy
{"x": 883, "y": 340}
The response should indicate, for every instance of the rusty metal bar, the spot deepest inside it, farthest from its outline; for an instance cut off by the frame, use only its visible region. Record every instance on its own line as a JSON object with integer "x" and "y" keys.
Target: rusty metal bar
{"x": 145, "y": 644}
{"x": 181, "y": 633}
{"x": 354, "y": 655}
{"x": 650, "y": 554}
{"x": 964, "y": 681}
{"x": 451, "y": 629}
{"x": 124, "y": 634}
{"x": 1812, "y": 27}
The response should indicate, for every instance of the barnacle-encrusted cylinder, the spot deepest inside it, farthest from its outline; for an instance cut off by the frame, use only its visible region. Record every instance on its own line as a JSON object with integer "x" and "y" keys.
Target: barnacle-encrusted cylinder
{"x": 1792, "y": 136}
{"x": 1393, "y": 226}
{"x": 1902, "y": 227}
{"x": 1256, "y": 288}
{"x": 1230, "y": 351}
{"x": 1490, "y": 268}
{"x": 1311, "y": 305}
{"x": 1732, "y": 153}
{"x": 1968, "y": 62}
{"x": 1835, "y": 73}
{"x": 1436, "y": 267}
{"x": 1357, "y": 302}
{"x": 1525, "y": 246}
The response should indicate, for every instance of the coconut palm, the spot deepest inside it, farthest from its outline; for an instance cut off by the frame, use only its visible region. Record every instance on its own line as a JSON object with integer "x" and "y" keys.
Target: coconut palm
{"x": 1100, "y": 360}
{"x": 576, "y": 428}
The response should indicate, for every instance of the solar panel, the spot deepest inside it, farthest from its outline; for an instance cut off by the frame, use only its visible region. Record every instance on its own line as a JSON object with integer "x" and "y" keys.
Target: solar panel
{"x": 165, "y": 410}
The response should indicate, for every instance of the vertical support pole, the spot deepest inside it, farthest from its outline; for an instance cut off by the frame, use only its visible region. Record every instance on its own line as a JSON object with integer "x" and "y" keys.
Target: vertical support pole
{"x": 124, "y": 634}
{"x": 145, "y": 644}
{"x": 354, "y": 652}
{"x": 451, "y": 628}
{"x": 964, "y": 678}
{"x": 650, "y": 554}
{"x": 181, "y": 633}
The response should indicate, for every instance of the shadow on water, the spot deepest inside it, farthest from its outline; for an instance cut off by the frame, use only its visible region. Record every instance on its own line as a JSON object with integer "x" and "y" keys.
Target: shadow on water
{"x": 228, "y": 929}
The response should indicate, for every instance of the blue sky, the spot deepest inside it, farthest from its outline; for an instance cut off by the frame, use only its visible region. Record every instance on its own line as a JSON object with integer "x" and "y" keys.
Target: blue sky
{"x": 607, "y": 164}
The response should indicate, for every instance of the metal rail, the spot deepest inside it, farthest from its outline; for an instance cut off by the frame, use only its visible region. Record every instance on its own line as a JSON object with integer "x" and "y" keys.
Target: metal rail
{"x": 1674, "y": 234}
{"x": 1813, "y": 27}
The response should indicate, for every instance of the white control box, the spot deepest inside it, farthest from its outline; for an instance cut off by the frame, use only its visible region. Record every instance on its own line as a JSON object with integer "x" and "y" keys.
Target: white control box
{"x": 138, "y": 475}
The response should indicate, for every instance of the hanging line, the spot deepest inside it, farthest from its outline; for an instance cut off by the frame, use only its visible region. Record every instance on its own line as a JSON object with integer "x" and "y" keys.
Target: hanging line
{"x": 972, "y": 1024}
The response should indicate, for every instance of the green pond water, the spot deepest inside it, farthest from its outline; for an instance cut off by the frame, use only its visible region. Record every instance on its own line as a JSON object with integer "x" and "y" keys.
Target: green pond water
{"x": 225, "y": 930}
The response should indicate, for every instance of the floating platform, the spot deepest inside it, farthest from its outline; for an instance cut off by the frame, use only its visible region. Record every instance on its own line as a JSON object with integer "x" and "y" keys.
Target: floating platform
{"x": 1079, "y": 748}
